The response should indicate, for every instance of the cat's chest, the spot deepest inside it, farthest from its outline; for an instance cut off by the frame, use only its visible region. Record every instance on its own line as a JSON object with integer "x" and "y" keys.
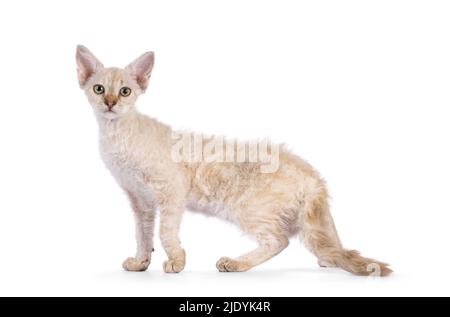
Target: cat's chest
{"x": 123, "y": 163}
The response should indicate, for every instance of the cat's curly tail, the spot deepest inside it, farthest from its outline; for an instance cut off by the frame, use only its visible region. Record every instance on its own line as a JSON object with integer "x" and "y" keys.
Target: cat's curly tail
{"x": 353, "y": 262}
{"x": 320, "y": 236}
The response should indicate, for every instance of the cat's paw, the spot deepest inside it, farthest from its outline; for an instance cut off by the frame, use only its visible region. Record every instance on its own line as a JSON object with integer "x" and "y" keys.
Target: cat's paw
{"x": 175, "y": 265}
{"x": 226, "y": 264}
{"x": 134, "y": 265}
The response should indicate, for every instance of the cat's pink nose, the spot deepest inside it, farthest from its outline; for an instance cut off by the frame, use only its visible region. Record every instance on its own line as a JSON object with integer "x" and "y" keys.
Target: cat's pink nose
{"x": 110, "y": 101}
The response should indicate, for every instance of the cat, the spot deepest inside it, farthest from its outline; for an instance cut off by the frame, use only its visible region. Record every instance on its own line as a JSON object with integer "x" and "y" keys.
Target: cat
{"x": 270, "y": 206}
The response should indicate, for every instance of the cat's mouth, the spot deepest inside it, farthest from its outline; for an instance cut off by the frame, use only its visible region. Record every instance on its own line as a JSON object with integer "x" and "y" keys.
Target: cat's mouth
{"x": 109, "y": 113}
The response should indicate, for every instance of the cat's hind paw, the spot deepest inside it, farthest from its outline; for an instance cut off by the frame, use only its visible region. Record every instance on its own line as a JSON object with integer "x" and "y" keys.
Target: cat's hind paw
{"x": 226, "y": 264}
{"x": 134, "y": 265}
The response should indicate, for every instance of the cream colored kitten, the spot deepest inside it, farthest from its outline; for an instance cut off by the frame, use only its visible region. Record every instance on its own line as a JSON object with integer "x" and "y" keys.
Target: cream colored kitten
{"x": 270, "y": 206}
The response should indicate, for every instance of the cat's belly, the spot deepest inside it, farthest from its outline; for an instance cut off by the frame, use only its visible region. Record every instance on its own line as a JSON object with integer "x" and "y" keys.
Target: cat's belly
{"x": 215, "y": 209}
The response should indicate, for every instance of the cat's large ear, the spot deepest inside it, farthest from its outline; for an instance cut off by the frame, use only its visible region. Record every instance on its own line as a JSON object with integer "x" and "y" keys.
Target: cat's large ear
{"x": 87, "y": 64}
{"x": 141, "y": 69}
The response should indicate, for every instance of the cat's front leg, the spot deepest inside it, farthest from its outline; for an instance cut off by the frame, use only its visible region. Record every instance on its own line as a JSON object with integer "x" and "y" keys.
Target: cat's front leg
{"x": 170, "y": 193}
{"x": 144, "y": 212}
{"x": 169, "y": 235}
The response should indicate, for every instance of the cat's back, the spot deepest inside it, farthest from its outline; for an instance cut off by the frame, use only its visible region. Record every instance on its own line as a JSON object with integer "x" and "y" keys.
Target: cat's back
{"x": 229, "y": 181}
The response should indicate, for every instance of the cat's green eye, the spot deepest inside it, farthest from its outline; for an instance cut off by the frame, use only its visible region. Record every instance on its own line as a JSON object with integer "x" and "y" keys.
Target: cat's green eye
{"x": 125, "y": 91}
{"x": 99, "y": 89}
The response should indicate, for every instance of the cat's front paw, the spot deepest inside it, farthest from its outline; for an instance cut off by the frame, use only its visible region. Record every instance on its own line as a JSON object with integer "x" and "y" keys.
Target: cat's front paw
{"x": 134, "y": 265}
{"x": 226, "y": 264}
{"x": 175, "y": 265}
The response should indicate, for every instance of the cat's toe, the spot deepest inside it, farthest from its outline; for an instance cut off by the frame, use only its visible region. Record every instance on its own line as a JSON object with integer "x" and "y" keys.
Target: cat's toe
{"x": 134, "y": 265}
{"x": 226, "y": 264}
{"x": 173, "y": 266}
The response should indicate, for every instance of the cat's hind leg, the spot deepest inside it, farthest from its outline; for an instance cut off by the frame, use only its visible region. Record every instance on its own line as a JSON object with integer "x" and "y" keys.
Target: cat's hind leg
{"x": 267, "y": 223}
{"x": 269, "y": 245}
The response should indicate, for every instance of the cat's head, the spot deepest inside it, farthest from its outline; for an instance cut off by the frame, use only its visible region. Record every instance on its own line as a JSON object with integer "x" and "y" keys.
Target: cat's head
{"x": 112, "y": 92}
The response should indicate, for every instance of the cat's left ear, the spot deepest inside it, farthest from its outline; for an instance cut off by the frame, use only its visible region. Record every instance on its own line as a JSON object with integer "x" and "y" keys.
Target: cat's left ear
{"x": 141, "y": 69}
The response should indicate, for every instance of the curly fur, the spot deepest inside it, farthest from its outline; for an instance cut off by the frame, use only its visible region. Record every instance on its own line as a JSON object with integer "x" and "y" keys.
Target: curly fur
{"x": 268, "y": 206}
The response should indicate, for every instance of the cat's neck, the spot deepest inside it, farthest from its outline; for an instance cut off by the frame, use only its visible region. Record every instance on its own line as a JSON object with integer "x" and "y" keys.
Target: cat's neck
{"x": 130, "y": 125}
{"x": 116, "y": 125}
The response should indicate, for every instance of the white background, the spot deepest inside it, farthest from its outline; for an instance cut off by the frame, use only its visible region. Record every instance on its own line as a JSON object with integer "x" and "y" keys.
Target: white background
{"x": 358, "y": 88}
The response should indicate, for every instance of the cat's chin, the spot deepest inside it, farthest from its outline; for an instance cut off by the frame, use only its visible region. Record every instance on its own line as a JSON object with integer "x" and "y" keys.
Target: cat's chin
{"x": 108, "y": 114}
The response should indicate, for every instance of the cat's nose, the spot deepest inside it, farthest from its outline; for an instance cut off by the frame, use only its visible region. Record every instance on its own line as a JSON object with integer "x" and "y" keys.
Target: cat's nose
{"x": 110, "y": 101}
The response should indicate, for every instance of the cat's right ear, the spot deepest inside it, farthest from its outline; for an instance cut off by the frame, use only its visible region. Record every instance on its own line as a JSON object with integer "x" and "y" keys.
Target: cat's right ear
{"x": 87, "y": 64}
